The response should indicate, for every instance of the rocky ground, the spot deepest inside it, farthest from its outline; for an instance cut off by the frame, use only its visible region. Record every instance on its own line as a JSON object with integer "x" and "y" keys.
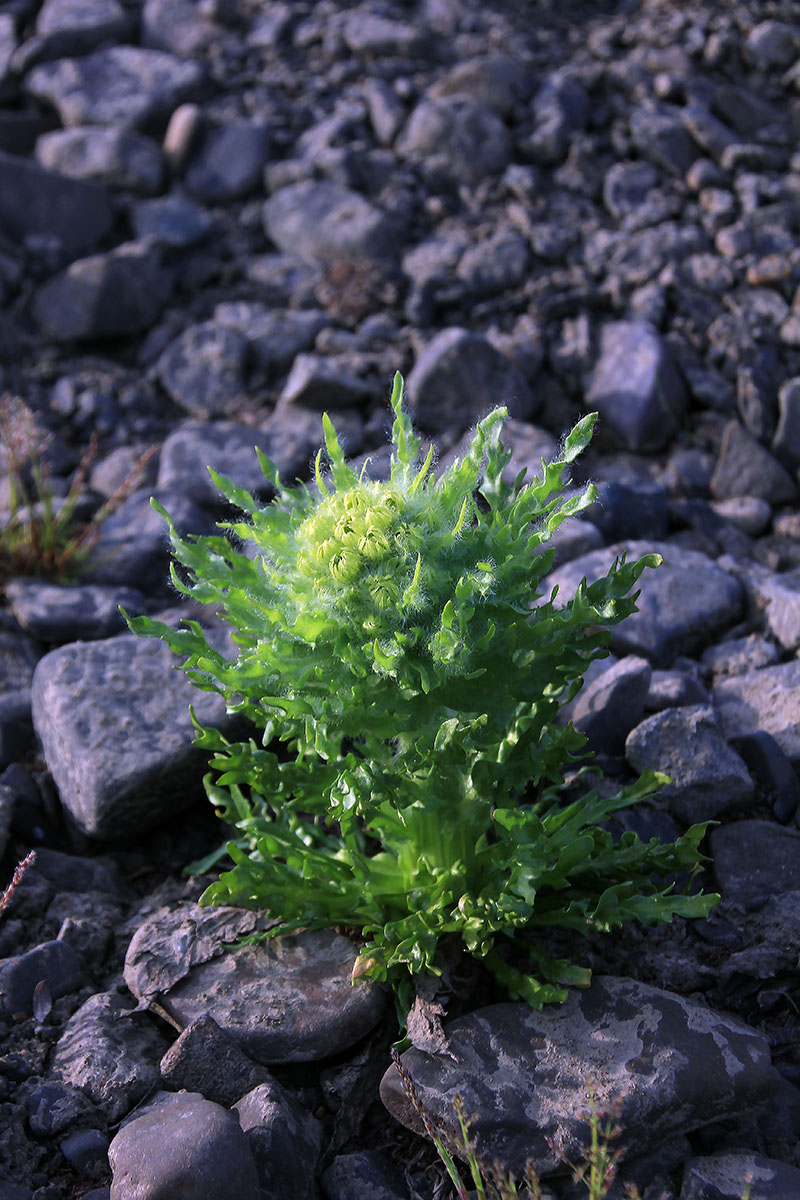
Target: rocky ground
{"x": 218, "y": 218}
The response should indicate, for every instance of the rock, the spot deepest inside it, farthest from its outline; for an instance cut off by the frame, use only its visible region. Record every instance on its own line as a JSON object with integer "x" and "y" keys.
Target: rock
{"x": 456, "y": 138}
{"x": 274, "y": 337}
{"x": 755, "y": 859}
{"x": 560, "y": 109}
{"x": 59, "y": 613}
{"x": 52, "y": 965}
{"x": 363, "y": 1173}
{"x": 636, "y": 387}
{"x": 228, "y": 162}
{"x": 745, "y": 467}
{"x": 203, "y": 368}
{"x": 680, "y": 603}
{"x": 775, "y": 776}
{"x": 786, "y": 442}
{"x": 459, "y": 377}
{"x": 65, "y": 27}
{"x": 173, "y": 220}
{"x": 178, "y": 26}
{"x": 182, "y": 1145}
{"x": 54, "y": 1108}
{"x": 124, "y": 86}
{"x": 736, "y": 656}
{"x": 372, "y": 35}
{"x": 658, "y": 134}
{"x": 639, "y": 1045}
{"x": 767, "y": 699}
{"x": 708, "y": 778}
{"x": 775, "y": 600}
{"x": 721, "y": 1177}
{"x": 285, "y": 1141}
{"x": 496, "y": 80}
{"x": 495, "y": 265}
{"x": 87, "y": 1151}
{"x": 327, "y": 221}
{"x": 285, "y": 1000}
{"x": 206, "y": 1059}
{"x": 607, "y": 708}
{"x": 109, "y": 1053}
{"x": 104, "y": 296}
{"x": 773, "y": 44}
{"x": 324, "y": 383}
{"x": 622, "y": 512}
{"x": 118, "y": 158}
{"x": 35, "y": 202}
{"x": 121, "y": 759}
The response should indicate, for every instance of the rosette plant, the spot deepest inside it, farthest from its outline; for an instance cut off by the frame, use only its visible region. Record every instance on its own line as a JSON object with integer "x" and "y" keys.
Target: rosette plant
{"x": 403, "y": 678}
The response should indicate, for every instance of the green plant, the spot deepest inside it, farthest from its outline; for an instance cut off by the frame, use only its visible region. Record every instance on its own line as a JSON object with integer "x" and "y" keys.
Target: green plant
{"x": 390, "y": 639}
{"x": 42, "y": 536}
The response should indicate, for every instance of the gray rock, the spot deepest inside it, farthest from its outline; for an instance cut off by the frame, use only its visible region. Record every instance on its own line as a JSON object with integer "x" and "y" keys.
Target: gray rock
{"x": 755, "y": 859}
{"x": 285, "y": 1141}
{"x": 608, "y": 707}
{"x": 52, "y": 612}
{"x": 203, "y": 368}
{"x": 327, "y": 221}
{"x": 174, "y": 220}
{"x": 54, "y": 1108}
{"x": 786, "y": 442}
{"x": 119, "y": 158}
{"x": 386, "y": 110}
{"x": 658, "y": 134}
{"x": 457, "y": 138}
{"x": 746, "y": 468}
{"x": 86, "y": 1151}
{"x": 228, "y": 162}
{"x": 772, "y": 772}
{"x": 736, "y": 656}
{"x": 125, "y": 86}
{"x": 133, "y": 548}
{"x": 178, "y": 26}
{"x": 206, "y": 1059}
{"x": 110, "y": 1053}
{"x": 636, "y": 387}
{"x": 560, "y": 109}
{"x": 65, "y": 27}
{"x": 363, "y": 1173}
{"x": 35, "y": 202}
{"x": 285, "y": 1000}
{"x": 122, "y": 758}
{"x": 324, "y": 383}
{"x": 495, "y": 265}
{"x": 767, "y": 699}
{"x": 367, "y": 33}
{"x": 105, "y": 296}
{"x": 274, "y": 336}
{"x": 184, "y": 1145}
{"x": 459, "y": 377}
{"x": 748, "y": 513}
{"x": 627, "y": 185}
{"x": 708, "y": 778}
{"x": 775, "y": 601}
{"x": 18, "y": 659}
{"x": 710, "y": 134}
{"x": 773, "y": 44}
{"x": 51, "y": 964}
{"x": 725, "y": 1176}
{"x": 688, "y": 598}
{"x": 523, "y": 1073}
{"x": 499, "y": 81}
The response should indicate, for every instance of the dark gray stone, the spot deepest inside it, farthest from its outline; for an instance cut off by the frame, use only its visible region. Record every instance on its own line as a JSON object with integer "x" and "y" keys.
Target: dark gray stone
{"x": 87, "y": 1151}
{"x": 560, "y": 109}
{"x": 126, "y": 86}
{"x": 54, "y": 1107}
{"x": 289, "y": 999}
{"x": 285, "y": 1141}
{"x": 327, "y": 221}
{"x": 178, "y": 26}
{"x": 53, "y": 963}
{"x": 325, "y": 383}
{"x": 109, "y": 1053}
{"x": 58, "y": 613}
{"x": 755, "y": 859}
{"x": 35, "y": 203}
{"x": 682, "y": 603}
{"x": 731, "y": 1174}
{"x": 184, "y": 1145}
{"x": 658, "y": 134}
{"x": 767, "y": 699}
{"x": 363, "y": 1173}
{"x": 121, "y": 758}
{"x": 174, "y": 220}
{"x": 786, "y": 442}
{"x": 497, "y": 80}
{"x": 459, "y": 377}
{"x": 669, "y": 1062}
{"x": 456, "y": 138}
{"x": 119, "y": 158}
{"x": 105, "y": 296}
{"x": 228, "y": 163}
{"x": 773, "y": 44}
{"x": 206, "y": 1059}
{"x": 636, "y": 387}
{"x": 708, "y": 778}
{"x": 274, "y": 336}
{"x": 608, "y": 707}
{"x": 203, "y": 368}
{"x": 369, "y": 34}
{"x": 65, "y": 27}
{"x": 775, "y": 776}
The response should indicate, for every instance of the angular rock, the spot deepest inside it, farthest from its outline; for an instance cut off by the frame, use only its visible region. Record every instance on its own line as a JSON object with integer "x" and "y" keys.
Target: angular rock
{"x": 327, "y": 221}
{"x": 560, "y": 109}
{"x": 729, "y": 1175}
{"x": 687, "y": 599}
{"x": 636, "y": 387}
{"x": 773, "y": 44}
{"x": 183, "y": 1145}
{"x": 174, "y": 220}
{"x": 456, "y": 137}
{"x": 607, "y": 708}
{"x": 499, "y": 81}
{"x": 110, "y": 1053}
{"x": 368, "y": 33}
{"x": 65, "y": 27}
{"x": 459, "y": 377}
{"x": 119, "y": 158}
{"x": 125, "y": 86}
{"x": 363, "y": 1173}
{"x": 228, "y": 162}
{"x": 105, "y": 296}
{"x": 658, "y": 134}
{"x": 323, "y": 383}
{"x": 767, "y": 699}
{"x": 285, "y": 1141}
{"x": 745, "y": 467}
{"x": 52, "y": 612}
{"x": 708, "y": 778}
{"x": 274, "y": 336}
{"x": 122, "y": 758}
{"x": 203, "y": 369}
{"x": 35, "y": 202}
{"x": 672, "y": 1064}
{"x": 54, "y": 1107}
{"x": 775, "y": 776}
{"x": 290, "y": 999}
{"x": 51, "y": 964}
{"x": 206, "y": 1059}
{"x": 178, "y": 26}
{"x": 755, "y": 859}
